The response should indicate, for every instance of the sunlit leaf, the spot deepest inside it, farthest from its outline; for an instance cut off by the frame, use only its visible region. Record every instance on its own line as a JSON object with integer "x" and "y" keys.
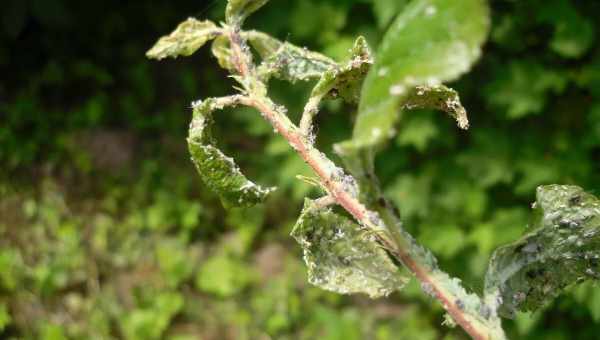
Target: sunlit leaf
{"x": 343, "y": 258}
{"x": 221, "y": 50}
{"x": 562, "y": 249}
{"x": 432, "y": 41}
{"x": 264, "y": 44}
{"x": 238, "y": 10}
{"x": 186, "y": 39}
{"x": 219, "y": 172}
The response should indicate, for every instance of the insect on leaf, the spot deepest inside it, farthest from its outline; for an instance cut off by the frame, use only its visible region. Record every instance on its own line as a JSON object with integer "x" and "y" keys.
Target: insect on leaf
{"x": 219, "y": 172}
{"x": 562, "y": 248}
{"x": 341, "y": 258}
{"x": 186, "y": 39}
{"x": 346, "y": 80}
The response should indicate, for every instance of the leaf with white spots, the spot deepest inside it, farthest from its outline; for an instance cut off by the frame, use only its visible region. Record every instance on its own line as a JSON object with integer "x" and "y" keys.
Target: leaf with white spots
{"x": 563, "y": 248}
{"x": 437, "y": 97}
{"x": 430, "y": 42}
{"x": 219, "y": 172}
{"x": 342, "y": 257}
{"x": 293, "y": 63}
{"x": 186, "y": 39}
{"x": 346, "y": 80}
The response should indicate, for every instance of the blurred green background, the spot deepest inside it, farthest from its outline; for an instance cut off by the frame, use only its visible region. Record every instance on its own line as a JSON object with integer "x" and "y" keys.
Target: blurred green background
{"x": 106, "y": 231}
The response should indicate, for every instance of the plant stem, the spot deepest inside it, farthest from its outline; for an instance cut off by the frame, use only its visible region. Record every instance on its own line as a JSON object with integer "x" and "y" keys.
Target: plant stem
{"x": 397, "y": 244}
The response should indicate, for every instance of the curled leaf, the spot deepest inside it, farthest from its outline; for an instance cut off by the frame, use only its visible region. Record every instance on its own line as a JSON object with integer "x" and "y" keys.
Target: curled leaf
{"x": 346, "y": 80}
{"x": 341, "y": 257}
{"x": 186, "y": 39}
{"x": 238, "y": 10}
{"x": 264, "y": 44}
{"x": 219, "y": 172}
{"x": 221, "y": 50}
{"x": 438, "y": 97}
{"x": 563, "y": 248}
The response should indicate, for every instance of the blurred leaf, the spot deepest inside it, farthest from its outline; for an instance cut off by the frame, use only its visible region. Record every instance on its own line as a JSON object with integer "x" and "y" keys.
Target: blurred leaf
{"x": 186, "y": 39}
{"x": 238, "y": 10}
{"x": 150, "y": 323}
{"x": 52, "y": 332}
{"x": 5, "y": 318}
{"x": 561, "y": 249}
{"x": 418, "y": 132}
{"x": 573, "y": 33}
{"x": 219, "y": 172}
{"x": 522, "y": 88}
{"x": 174, "y": 261}
{"x": 223, "y": 275}
{"x": 386, "y": 10}
{"x": 341, "y": 258}
{"x": 445, "y": 240}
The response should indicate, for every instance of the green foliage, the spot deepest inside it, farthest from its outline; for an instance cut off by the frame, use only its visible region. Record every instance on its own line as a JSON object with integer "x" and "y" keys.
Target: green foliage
{"x": 429, "y": 43}
{"x": 346, "y": 80}
{"x": 461, "y": 194}
{"x": 151, "y": 322}
{"x": 562, "y": 249}
{"x": 342, "y": 258}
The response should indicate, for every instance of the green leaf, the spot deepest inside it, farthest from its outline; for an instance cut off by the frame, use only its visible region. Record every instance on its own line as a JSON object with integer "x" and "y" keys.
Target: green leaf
{"x": 343, "y": 258}
{"x": 221, "y": 50}
{"x": 522, "y": 88}
{"x": 5, "y": 318}
{"x": 223, "y": 275}
{"x": 293, "y": 63}
{"x": 562, "y": 249}
{"x": 186, "y": 39}
{"x": 264, "y": 44}
{"x": 438, "y": 97}
{"x": 238, "y": 10}
{"x": 219, "y": 172}
{"x": 346, "y": 81}
{"x": 432, "y": 41}
{"x": 385, "y": 10}
{"x": 573, "y": 33}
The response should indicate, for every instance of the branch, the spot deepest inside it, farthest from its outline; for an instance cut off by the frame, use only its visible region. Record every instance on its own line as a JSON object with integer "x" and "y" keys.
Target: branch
{"x": 332, "y": 179}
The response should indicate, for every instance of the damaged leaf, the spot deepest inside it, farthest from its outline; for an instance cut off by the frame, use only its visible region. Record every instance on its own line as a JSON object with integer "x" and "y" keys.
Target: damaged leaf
{"x": 438, "y": 97}
{"x": 341, "y": 257}
{"x": 346, "y": 81}
{"x": 562, "y": 248}
{"x": 219, "y": 172}
{"x": 186, "y": 39}
{"x": 293, "y": 63}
